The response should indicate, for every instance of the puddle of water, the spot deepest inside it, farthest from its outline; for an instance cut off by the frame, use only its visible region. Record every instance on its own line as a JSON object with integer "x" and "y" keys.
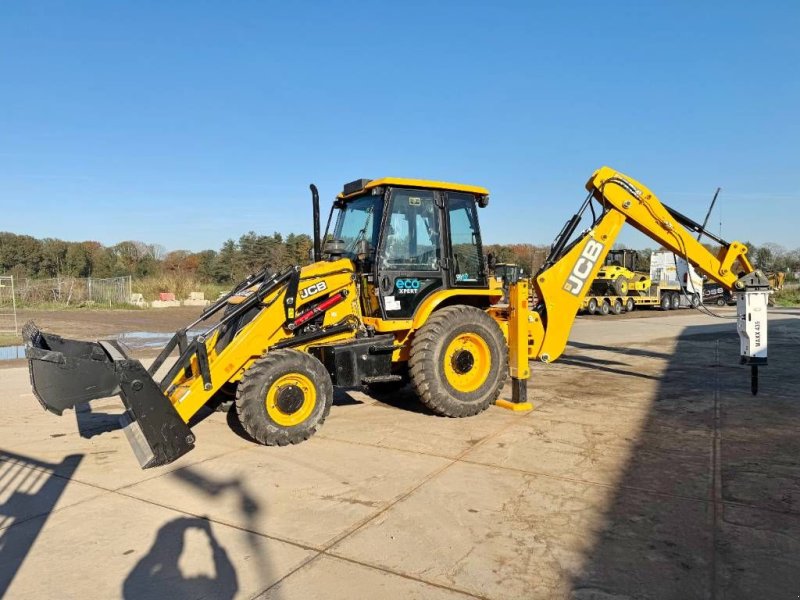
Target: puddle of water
{"x": 12, "y": 352}
{"x": 135, "y": 340}
{"x": 140, "y": 340}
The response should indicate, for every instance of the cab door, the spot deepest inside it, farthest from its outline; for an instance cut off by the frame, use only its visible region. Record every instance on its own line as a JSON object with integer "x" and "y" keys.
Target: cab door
{"x": 409, "y": 258}
{"x": 465, "y": 261}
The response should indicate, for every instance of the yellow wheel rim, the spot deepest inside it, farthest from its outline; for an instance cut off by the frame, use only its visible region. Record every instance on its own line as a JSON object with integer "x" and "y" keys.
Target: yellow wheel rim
{"x": 467, "y": 361}
{"x": 291, "y": 399}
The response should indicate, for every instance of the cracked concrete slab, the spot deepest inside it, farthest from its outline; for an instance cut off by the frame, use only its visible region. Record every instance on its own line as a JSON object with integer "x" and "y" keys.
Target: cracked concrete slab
{"x": 505, "y": 534}
{"x": 310, "y": 493}
{"x": 113, "y": 547}
{"x": 336, "y": 579}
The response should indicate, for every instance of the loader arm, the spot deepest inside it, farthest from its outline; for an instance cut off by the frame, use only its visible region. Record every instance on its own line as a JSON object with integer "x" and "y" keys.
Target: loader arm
{"x": 565, "y": 278}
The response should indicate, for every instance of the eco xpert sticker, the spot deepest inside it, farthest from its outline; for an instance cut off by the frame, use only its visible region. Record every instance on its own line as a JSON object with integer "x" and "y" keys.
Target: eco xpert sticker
{"x": 406, "y": 286}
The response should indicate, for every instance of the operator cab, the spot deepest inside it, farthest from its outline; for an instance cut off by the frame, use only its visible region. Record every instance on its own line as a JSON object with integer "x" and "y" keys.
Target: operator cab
{"x": 408, "y": 238}
{"x": 622, "y": 257}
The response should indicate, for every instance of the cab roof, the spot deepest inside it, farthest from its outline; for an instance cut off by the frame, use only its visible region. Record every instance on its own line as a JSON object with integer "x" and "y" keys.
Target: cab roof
{"x": 415, "y": 183}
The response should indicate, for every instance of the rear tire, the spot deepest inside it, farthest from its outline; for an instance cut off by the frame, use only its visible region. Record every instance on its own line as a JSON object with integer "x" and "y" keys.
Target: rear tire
{"x": 666, "y": 302}
{"x": 675, "y": 300}
{"x": 591, "y": 308}
{"x": 721, "y": 301}
{"x": 605, "y": 307}
{"x": 284, "y": 397}
{"x": 694, "y": 300}
{"x": 630, "y": 305}
{"x": 458, "y": 362}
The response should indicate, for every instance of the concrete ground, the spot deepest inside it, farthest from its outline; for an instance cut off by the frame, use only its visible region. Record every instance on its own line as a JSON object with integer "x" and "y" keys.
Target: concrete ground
{"x": 647, "y": 470}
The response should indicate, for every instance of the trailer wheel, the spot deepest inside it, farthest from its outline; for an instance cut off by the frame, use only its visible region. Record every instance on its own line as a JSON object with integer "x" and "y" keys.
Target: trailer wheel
{"x": 666, "y": 302}
{"x": 458, "y": 361}
{"x": 720, "y": 301}
{"x": 284, "y": 397}
{"x": 591, "y": 308}
{"x": 675, "y": 300}
{"x": 605, "y": 307}
{"x": 630, "y": 305}
{"x": 618, "y": 307}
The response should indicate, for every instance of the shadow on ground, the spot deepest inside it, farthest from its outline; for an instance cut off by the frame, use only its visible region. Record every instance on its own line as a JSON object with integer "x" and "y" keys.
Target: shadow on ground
{"x": 708, "y": 504}
{"x": 159, "y": 575}
{"x": 29, "y": 491}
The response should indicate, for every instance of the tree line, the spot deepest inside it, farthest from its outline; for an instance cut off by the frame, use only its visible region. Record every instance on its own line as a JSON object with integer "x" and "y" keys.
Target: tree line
{"x": 25, "y": 256}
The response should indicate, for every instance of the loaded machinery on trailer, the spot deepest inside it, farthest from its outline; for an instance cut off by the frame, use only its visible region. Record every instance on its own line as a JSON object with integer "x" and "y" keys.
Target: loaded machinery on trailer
{"x": 399, "y": 293}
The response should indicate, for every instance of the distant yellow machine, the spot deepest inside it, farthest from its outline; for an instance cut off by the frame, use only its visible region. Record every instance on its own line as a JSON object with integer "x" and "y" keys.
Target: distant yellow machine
{"x": 619, "y": 275}
{"x": 399, "y": 293}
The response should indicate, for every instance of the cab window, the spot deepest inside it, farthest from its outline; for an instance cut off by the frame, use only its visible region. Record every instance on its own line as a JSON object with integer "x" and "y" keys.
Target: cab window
{"x": 411, "y": 240}
{"x": 465, "y": 235}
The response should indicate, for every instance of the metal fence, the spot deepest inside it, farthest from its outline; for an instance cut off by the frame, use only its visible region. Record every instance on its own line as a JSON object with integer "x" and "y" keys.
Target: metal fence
{"x": 74, "y": 290}
{"x": 8, "y": 305}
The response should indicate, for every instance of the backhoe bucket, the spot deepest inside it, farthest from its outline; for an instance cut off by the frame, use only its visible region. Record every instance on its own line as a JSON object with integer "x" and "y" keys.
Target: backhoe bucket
{"x": 68, "y": 372}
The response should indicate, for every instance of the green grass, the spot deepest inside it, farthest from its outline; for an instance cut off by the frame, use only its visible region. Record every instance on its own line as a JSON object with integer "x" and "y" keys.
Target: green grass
{"x": 9, "y": 339}
{"x": 787, "y": 297}
{"x": 75, "y": 306}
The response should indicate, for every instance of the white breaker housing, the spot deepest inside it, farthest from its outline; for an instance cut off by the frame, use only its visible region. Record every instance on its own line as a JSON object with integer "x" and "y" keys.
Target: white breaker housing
{"x": 751, "y": 308}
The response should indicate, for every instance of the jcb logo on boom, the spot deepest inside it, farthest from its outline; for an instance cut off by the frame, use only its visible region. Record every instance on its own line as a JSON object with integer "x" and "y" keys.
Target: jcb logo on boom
{"x": 313, "y": 289}
{"x": 583, "y": 267}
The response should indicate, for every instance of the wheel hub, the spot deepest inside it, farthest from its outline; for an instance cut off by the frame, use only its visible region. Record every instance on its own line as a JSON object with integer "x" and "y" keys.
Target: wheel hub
{"x": 463, "y": 361}
{"x": 289, "y": 399}
{"x": 467, "y": 362}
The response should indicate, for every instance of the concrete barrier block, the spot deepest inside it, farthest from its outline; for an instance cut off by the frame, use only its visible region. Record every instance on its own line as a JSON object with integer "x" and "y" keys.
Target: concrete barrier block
{"x": 164, "y": 303}
{"x": 196, "y": 299}
{"x": 138, "y": 300}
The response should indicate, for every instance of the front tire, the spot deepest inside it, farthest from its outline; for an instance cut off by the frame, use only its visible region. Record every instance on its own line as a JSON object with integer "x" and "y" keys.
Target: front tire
{"x": 284, "y": 397}
{"x": 459, "y": 361}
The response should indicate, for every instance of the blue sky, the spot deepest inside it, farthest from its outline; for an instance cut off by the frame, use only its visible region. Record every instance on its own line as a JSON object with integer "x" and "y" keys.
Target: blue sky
{"x": 186, "y": 123}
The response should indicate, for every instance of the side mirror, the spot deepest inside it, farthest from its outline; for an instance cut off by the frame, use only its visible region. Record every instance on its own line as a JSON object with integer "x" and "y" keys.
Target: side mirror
{"x": 483, "y": 201}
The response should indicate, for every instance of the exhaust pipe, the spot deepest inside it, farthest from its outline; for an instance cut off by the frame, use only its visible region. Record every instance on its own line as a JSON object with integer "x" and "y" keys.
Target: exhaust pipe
{"x": 315, "y": 205}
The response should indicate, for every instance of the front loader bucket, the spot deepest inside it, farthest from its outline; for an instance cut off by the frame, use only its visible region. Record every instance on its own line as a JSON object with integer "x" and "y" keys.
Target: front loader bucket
{"x": 68, "y": 372}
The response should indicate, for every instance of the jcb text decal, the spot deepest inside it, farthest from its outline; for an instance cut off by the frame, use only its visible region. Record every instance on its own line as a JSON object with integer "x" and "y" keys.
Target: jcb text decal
{"x": 583, "y": 267}
{"x": 313, "y": 289}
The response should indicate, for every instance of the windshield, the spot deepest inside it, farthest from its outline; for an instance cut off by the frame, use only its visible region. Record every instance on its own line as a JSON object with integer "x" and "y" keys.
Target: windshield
{"x": 359, "y": 220}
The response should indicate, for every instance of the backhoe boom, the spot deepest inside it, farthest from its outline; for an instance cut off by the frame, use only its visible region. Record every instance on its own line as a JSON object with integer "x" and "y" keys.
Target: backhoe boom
{"x": 565, "y": 279}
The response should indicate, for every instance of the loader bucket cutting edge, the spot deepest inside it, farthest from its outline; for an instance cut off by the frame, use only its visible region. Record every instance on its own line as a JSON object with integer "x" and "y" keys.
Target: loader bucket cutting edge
{"x": 67, "y": 372}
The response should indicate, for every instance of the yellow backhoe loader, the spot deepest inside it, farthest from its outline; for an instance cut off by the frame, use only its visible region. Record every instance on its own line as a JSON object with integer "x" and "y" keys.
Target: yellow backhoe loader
{"x": 400, "y": 292}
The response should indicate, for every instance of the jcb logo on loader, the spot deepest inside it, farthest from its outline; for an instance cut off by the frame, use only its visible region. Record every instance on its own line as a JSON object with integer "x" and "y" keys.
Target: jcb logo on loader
{"x": 313, "y": 289}
{"x": 583, "y": 267}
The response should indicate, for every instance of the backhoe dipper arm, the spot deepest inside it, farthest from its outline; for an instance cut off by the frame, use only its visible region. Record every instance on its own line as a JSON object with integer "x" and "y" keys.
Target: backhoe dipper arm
{"x": 565, "y": 278}
{"x": 643, "y": 210}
